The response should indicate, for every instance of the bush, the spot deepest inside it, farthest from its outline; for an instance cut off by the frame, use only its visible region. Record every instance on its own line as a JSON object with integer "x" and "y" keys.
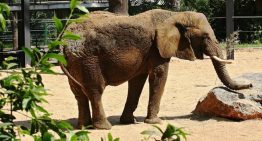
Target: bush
{"x": 25, "y": 92}
{"x": 171, "y": 133}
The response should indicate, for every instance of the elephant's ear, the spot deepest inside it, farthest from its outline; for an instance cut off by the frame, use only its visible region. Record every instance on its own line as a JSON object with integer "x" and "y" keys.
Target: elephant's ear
{"x": 172, "y": 41}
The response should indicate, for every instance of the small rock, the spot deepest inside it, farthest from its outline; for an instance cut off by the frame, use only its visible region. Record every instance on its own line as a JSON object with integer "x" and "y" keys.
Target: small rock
{"x": 237, "y": 105}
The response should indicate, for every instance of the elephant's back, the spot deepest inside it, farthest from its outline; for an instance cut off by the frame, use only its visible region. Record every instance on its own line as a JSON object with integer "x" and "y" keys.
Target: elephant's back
{"x": 104, "y": 31}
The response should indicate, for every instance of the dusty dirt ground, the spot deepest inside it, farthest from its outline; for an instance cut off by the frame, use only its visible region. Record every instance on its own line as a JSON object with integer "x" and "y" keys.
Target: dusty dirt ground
{"x": 187, "y": 83}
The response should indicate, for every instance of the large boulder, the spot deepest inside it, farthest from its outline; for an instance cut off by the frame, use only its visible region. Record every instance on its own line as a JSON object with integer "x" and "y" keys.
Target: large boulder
{"x": 237, "y": 105}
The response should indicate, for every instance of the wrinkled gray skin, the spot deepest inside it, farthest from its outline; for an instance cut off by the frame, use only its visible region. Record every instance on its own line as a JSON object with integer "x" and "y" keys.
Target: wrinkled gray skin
{"x": 115, "y": 49}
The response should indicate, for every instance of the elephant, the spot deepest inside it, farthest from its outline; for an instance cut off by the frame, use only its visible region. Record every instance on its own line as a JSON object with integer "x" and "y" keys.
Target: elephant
{"x": 115, "y": 48}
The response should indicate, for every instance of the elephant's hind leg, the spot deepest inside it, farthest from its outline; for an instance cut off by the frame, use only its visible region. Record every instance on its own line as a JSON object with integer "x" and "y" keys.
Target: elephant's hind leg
{"x": 95, "y": 84}
{"x": 99, "y": 117}
{"x": 84, "y": 116}
{"x": 135, "y": 87}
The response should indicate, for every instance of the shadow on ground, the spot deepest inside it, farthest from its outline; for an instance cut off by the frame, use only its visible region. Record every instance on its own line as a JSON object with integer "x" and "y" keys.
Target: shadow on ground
{"x": 114, "y": 120}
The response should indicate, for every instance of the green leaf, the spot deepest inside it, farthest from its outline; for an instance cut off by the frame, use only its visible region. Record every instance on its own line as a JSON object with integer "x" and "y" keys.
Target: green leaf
{"x": 170, "y": 130}
{"x": 32, "y": 112}
{"x": 11, "y": 81}
{"x": 10, "y": 58}
{"x": 73, "y": 138}
{"x": 71, "y": 36}
{"x": 58, "y": 24}
{"x": 45, "y": 66}
{"x": 46, "y": 70}
{"x": 82, "y": 8}
{"x": 54, "y": 44}
{"x": 117, "y": 139}
{"x": 3, "y": 125}
{"x": 28, "y": 52}
{"x": 82, "y": 135}
{"x": 158, "y": 128}
{"x": 3, "y": 101}
{"x": 64, "y": 125}
{"x": 82, "y": 18}
{"x": 58, "y": 57}
{"x": 53, "y": 126}
{"x": 38, "y": 91}
{"x": 23, "y": 130}
{"x": 73, "y": 4}
{"x": 6, "y": 8}
{"x": 2, "y": 22}
{"x": 110, "y": 137}
{"x": 41, "y": 109}
{"x": 11, "y": 65}
{"x": 25, "y": 102}
{"x": 182, "y": 133}
{"x": 37, "y": 138}
{"x": 5, "y": 137}
{"x": 39, "y": 80}
{"x": 48, "y": 137}
{"x": 34, "y": 126}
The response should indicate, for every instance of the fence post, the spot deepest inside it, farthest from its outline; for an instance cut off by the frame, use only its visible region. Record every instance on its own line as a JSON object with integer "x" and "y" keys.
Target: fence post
{"x": 230, "y": 27}
{"x": 25, "y": 5}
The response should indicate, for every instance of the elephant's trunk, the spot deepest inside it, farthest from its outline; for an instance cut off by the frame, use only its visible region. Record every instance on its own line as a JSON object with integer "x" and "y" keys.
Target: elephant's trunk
{"x": 224, "y": 77}
{"x": 219, "y": 65}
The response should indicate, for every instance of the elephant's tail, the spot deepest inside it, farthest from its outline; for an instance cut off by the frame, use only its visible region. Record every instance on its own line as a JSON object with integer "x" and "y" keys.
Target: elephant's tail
{"x": 64, "y": 69}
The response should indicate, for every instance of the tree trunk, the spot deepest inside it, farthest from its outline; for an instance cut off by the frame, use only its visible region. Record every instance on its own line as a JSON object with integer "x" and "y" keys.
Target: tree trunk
{"x": 118, "y": 6}
{"x": 15, "y": 30}
{"x": 258, "y": 7}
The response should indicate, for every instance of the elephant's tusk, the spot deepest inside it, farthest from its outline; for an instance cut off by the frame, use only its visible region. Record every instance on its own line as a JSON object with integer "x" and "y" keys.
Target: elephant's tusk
{"x": 221, "y": 60}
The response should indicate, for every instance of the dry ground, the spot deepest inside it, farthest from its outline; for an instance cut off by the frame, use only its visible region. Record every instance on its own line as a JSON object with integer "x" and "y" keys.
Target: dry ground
{"x": 187, "y": 82}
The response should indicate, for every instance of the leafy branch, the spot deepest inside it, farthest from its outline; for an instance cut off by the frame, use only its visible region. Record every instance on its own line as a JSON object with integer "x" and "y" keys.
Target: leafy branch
{"x": 4, "y": 10}
{"x": 25, "y": 91}
{"x": 171, "y": 133}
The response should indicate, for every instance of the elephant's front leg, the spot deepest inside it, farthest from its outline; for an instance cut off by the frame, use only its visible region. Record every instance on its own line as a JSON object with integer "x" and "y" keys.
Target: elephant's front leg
{"x": 157, "y": 80}
{"x": 135, "y": 87}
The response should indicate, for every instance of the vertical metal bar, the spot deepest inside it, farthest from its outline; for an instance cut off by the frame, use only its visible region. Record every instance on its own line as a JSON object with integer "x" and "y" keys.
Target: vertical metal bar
{"x": 45, "y": 33}
{"x": 26, "y": 27}
{"x": 230, "y": 27}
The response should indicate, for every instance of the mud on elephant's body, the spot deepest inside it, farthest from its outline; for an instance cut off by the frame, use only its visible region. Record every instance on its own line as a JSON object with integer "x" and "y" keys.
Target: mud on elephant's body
{"x": 115, "y": 49}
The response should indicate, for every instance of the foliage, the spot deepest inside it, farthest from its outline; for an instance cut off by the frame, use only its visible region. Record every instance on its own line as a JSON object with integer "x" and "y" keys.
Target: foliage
{"x": 139, "y": 6}
{"x": 250, "y": 30}
{"x": 8, "y": 63}
{"x": 197, "y": 5}
{"x": 25, "y": 92}
{"x": 4, "y": 11}
{"x": 171, "y": 133}
{"x": 110, "y": 138}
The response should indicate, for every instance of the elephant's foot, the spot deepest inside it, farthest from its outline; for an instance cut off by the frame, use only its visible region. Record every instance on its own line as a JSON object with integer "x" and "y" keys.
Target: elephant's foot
{"x": 154, "y": 120}
{"x": 83, "y": 124}
{"x": 128, "y": 119}
{"x": 102, "y": 124}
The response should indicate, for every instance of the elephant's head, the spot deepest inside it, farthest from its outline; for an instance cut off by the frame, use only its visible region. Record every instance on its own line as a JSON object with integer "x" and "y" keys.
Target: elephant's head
{"x": 188, "y": 35}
